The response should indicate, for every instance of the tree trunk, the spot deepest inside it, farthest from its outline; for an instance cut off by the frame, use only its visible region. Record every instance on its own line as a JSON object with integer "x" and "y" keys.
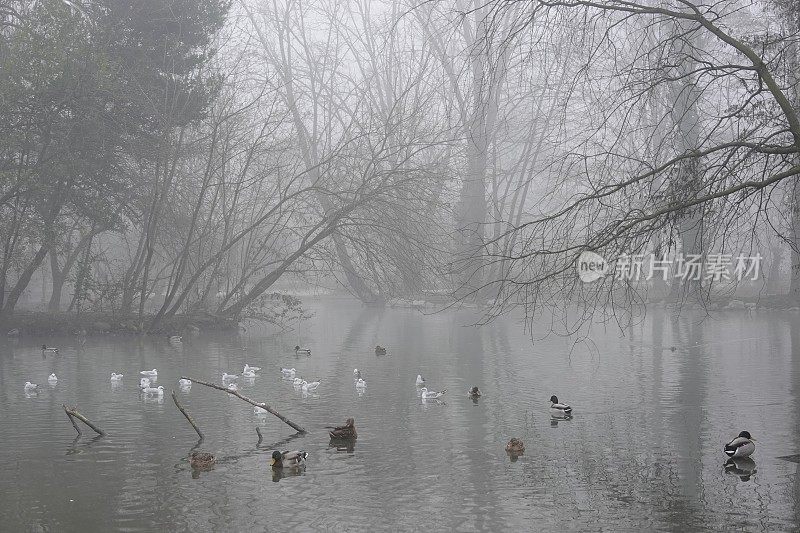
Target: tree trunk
{"x": 58, "y": 277}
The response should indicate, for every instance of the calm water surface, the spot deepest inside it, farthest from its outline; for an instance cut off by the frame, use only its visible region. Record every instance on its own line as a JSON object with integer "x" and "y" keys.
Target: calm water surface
{"x": 643, "y": 451}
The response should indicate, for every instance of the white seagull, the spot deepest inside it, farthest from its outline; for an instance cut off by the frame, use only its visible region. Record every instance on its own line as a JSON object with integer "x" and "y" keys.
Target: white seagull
{"x": 420, "y": 381}
{"x": 288, "y": 372}
{"x": 29, "y": 387}
{"x": 185, "y": 383}
{"x": 52, "y": 378}
{"x": 118, "y": 377}
{"x": 226, "y": 376}
{"x": 310, "y": 387}
{"x": 431, "y": 395}
{"x": 248, "y": 368}
{"x": 151, "y": 373}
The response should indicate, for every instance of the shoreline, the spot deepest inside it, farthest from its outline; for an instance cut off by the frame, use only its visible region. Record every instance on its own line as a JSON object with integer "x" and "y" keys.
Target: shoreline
{"x": 25, "y": 323}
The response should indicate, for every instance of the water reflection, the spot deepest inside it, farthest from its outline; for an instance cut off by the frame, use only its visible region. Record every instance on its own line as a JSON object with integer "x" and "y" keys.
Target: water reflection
{"x": 555, "y": 419}
{"x": 744, "y": 467}
{"x": 652, "y": 467}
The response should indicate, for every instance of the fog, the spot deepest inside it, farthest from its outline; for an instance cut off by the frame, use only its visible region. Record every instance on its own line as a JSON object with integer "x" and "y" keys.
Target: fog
{"x": 166, "y": 159}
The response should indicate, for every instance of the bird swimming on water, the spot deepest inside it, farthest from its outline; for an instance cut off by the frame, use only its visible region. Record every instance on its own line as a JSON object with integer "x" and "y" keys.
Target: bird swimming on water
{"x": 380, "y": 350}
{"x": 741, "y": 446}
{"x": 45, "y": 348}
{"x": 425, "y": 394}
{"x": 347, "y": 431}
{"x": 515, "y": 446}
{"x": 288, "y": 459}
{"x": 420, "y": 380}
{"x": 305, "y": 351}
{"x": 474, "y": 392}
{"x": 559, "y": 408}
{"x": 201, "y": 459}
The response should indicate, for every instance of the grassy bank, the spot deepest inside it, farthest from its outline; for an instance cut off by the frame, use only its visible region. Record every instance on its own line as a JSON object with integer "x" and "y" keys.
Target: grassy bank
{"x": 41, "y": 323}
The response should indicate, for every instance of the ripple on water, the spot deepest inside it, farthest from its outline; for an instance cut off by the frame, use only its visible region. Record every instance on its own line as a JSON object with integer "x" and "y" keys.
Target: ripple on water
{"x": 641, "y": 453}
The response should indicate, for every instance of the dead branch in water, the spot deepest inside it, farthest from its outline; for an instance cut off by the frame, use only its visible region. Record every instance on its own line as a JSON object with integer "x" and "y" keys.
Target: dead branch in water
{"x": 260, "y": 436}
{"x": 72, "y": 413}
{"x": 188, "y": 417}
{"x": 250, "y": 401}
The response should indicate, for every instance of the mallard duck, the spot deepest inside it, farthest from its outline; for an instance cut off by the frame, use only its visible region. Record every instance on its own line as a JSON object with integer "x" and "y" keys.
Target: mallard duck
{"x": 248, "y": 368}
{"x": 420, "y": 380}
{"x": 347, "y": 431}
{"x": 515, "y": 446}
{"x": 45, "y": 348}
{"x": 380, "y": 350}
{"x": 474, "y": 392}
{"x": 288, "y": 459}
{"x": 52, "y": 378}
{"x": 741, "y": 446}
{"x": 425, "y": 394}
{"x": 288, "y": 372}
{"x": 304, "y": 351}
{"x": 29, "y": 387}
{"x": 151, "y": 373}
{"x": 118, "y": 377}
{"x": 559, "y": 408}
{"x": 201, "y": 459}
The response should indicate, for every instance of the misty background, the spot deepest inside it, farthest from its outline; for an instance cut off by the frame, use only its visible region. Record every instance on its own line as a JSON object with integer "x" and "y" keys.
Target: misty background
{"x": 169, "y": 158}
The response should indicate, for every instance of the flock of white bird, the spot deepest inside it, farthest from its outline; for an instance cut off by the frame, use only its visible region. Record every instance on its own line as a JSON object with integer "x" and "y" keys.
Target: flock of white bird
{"x": 740, "y": 447}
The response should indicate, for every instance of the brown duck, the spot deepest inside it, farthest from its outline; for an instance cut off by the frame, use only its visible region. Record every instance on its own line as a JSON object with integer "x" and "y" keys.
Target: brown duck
{"x": 347, "y": 431}
{"x": 515, "y": 446}
{"x": 201, "y": 459}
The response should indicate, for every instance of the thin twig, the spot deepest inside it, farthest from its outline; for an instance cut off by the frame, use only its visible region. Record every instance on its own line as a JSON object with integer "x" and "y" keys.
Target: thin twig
{"x": 260, "y": 436}
{"x": 250, "y": 401}
{"x": 72, "y": 419}
{"x": 187, "y": 415}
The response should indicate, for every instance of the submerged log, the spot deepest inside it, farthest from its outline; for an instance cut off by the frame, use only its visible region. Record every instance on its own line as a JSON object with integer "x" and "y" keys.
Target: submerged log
{"x": 187, "y": 415}
{"x": 250, "y": 401}
{"x": 72, "y": 413}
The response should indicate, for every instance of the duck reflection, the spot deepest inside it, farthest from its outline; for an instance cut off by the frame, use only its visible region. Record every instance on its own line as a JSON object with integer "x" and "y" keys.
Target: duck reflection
{"x": 744, "y": 467}
{"x": 343, "y": 445}
{"x": 555, "y": 419}
{"x": 280, "y": 473}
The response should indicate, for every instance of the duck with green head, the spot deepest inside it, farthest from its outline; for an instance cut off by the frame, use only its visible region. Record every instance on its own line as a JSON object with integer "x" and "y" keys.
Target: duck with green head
{"x": 288, "y": 459}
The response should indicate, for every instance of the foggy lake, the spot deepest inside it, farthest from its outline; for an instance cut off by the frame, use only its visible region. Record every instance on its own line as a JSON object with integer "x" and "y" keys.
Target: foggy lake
{"x": 643, "y": 450}
{"x": 585, "y": 213}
